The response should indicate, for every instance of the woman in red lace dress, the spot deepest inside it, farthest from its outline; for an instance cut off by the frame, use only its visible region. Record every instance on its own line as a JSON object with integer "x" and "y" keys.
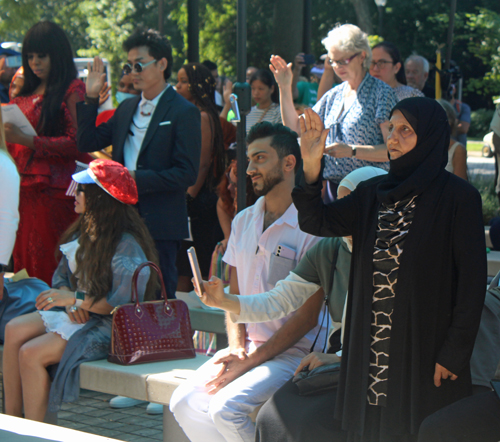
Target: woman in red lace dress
{"x": 45, "y": 162}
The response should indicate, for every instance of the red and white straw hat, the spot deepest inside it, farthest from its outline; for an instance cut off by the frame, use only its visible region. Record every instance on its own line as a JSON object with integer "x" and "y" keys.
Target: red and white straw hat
{"x": 112, "y": 177}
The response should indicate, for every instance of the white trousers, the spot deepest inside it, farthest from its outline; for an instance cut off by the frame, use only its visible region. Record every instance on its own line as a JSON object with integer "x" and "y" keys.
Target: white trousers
{"x": 224, "y": 415}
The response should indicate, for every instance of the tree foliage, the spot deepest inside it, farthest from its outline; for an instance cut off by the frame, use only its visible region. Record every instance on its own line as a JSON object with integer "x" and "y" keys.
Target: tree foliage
{"x": 416, "y": 26}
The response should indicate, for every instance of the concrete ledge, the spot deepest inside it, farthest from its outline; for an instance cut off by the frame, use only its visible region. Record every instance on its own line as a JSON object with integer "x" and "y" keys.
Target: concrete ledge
{"x": 487, "y": 237}
{"x": 15, "y": 429}
{"x": 132, "y": 381}
{"x": 493, "y": 263}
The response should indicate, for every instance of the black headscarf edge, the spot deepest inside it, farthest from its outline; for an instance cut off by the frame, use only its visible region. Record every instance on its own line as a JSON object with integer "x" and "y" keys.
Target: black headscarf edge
{"x": 410, "y": 174}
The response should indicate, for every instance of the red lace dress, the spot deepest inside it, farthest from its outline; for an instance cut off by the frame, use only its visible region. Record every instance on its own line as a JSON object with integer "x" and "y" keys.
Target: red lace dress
{"x": 45, "y": 211}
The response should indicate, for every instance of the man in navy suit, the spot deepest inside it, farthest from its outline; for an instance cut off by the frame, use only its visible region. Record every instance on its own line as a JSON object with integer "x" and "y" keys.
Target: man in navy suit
{"x": 156, "y": 135}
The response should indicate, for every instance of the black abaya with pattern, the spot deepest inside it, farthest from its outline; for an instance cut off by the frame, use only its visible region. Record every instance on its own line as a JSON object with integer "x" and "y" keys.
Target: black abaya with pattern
{"x": 441, "y": 281}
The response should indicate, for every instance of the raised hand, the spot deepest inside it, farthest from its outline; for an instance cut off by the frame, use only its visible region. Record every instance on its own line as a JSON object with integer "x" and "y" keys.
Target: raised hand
{"x": 104, "y": 93}
{"x": 96, "y": 78}
{"x": 312, "y": 144}
{"x": 227, "y": 90}
{"x": 327, "y": 65}
{"x": 282, "y": 71}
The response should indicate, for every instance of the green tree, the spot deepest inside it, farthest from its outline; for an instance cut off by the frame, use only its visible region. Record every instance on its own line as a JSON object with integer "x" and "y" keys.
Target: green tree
{"x": 109, "y": 24}
{"x": 18, "y": 16}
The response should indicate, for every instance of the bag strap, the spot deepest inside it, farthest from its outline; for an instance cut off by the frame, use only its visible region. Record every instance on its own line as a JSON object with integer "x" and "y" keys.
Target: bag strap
{"x": 326, "y": 310}
{"x": 135, "y": 277}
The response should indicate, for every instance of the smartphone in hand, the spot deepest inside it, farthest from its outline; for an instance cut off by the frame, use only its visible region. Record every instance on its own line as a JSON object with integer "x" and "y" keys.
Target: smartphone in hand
{"x": 195, "y": 267}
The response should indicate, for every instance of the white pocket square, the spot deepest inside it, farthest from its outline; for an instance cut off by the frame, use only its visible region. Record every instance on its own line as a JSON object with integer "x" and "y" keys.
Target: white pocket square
{"x": 164, "y": 123}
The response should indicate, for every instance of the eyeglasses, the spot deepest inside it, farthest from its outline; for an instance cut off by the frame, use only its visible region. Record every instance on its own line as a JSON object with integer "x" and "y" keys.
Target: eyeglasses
{"x": 138, "y": 67}
{"x": 80, "y": 188}
{"x": 380, "y": 64}
{"x": 344, "y": 62}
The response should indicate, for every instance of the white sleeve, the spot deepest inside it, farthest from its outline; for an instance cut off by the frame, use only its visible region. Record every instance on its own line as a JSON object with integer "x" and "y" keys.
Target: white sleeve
{"x": 287, "y": 296}
{"x": 9, "y": 207}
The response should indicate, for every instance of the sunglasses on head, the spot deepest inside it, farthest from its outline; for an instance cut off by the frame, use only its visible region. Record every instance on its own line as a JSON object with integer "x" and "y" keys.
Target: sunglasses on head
{"x": 137, "y": 67}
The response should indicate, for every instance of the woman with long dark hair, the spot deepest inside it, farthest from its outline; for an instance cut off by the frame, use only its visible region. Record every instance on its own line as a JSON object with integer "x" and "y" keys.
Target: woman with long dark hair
{"x": 266, "y": 97}
{"x": 45, "y": 162}
{"x": 100, "y": 253}
{"x": 197, "y": 85}
{"x": 387, "y": 65}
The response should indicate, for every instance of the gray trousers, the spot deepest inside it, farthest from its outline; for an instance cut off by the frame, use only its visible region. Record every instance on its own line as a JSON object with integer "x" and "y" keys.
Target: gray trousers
{"x": 486, "y": 354}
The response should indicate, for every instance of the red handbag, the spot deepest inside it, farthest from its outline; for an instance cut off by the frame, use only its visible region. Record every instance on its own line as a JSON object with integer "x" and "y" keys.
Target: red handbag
{"x": 151, "y": 331}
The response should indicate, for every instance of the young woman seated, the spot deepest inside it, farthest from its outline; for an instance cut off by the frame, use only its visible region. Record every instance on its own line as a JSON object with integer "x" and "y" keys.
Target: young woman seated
{"x": 100, "y": 253}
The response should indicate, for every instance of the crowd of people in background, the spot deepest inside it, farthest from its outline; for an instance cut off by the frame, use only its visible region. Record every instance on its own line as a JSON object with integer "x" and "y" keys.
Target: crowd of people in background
{"x": 350, "y": 161}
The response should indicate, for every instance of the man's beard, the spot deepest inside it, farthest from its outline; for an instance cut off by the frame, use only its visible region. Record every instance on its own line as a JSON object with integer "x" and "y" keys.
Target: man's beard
{"x": 275, "y": 177}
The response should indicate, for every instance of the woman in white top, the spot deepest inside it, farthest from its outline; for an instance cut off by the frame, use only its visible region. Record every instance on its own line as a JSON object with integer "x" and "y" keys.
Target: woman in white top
{"x": 9, "y": 205}
{"x": 457, "y": 153}
{"x": 265, "y": 95}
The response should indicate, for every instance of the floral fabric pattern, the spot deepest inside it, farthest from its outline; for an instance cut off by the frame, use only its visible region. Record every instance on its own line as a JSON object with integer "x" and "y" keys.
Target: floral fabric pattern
{"x": 360, "y": 124}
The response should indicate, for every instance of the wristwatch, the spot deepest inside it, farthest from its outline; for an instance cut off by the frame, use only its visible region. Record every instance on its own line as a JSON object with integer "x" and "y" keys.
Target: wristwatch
{"x": 353, "y": 151}
{"x": 79, "y": 298}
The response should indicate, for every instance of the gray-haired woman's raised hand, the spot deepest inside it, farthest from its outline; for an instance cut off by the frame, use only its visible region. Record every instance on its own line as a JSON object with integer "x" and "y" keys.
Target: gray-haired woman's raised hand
{"x": 282, "y": 71}
{"x": 312, "y": 144}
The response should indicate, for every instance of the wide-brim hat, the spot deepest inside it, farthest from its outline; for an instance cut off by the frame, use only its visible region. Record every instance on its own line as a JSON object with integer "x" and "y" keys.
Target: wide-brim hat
{"x": 112, "y": 177}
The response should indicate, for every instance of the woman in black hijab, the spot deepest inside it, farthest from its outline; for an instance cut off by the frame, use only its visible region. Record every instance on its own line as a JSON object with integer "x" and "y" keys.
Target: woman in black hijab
{"x": 417, "y": 278}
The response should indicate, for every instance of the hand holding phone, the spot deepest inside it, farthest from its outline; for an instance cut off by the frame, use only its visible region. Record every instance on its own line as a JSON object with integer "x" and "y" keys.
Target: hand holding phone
{"x": 235, "y": 108}
{"x": 195, "y": 267}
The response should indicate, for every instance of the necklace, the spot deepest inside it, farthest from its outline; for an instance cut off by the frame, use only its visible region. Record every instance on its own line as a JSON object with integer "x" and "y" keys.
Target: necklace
{"x": 138, "y": 127}
{"x": 143, "y": 111}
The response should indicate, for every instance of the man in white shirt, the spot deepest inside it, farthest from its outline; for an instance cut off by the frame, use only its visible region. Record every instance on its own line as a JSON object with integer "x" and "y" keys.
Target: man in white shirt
{"x": 156, "y": 135}
{"x": 265, "y": 244}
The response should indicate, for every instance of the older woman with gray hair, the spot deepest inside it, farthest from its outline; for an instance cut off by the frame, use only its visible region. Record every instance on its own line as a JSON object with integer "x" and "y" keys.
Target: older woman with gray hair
{"x": 355, "y": 112}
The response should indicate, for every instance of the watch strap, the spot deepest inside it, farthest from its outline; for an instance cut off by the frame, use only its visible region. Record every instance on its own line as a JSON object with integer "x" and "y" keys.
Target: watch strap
{"x": 91, "y": 100}
{"x": 79, "y": 298}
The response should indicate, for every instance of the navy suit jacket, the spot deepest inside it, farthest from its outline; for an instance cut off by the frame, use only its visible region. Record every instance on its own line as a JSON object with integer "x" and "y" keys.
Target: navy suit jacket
{"x": 168, "y": 161}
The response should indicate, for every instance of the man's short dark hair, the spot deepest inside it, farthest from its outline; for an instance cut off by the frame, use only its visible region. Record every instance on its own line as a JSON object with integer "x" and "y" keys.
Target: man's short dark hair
{"x": 158, "y": 46}
{"x": 210, "y": 65}
{"x": 283, "y": 140}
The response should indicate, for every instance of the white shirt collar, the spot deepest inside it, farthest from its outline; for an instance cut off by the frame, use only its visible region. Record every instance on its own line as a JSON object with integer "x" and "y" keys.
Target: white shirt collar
{"x": 290, "y": 216}
{"x": 144, "y": 101}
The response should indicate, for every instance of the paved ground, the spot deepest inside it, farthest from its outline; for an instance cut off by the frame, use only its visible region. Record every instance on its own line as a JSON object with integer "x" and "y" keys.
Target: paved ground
{"x": 91, "y": 413}
{"x": 477, "y": 165}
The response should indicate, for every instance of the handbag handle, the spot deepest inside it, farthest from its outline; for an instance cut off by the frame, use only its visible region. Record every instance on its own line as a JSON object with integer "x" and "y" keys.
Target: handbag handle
{"x": 135, "y": 277}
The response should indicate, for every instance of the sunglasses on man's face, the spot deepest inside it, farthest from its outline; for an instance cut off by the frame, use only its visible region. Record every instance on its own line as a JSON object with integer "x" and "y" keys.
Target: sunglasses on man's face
{"x": 137, "y": 67}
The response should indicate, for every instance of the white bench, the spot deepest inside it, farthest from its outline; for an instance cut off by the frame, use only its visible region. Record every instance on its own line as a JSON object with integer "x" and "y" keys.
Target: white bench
{"x": 152, "y": 382}
{"x": 15, "y": 429}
